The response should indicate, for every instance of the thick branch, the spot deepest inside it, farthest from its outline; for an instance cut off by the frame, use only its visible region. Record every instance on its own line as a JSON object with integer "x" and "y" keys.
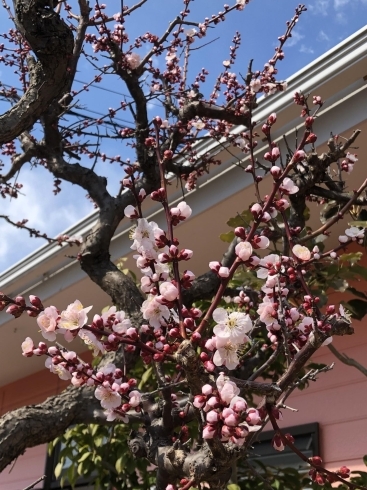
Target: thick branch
{"x": 52, "y": 42}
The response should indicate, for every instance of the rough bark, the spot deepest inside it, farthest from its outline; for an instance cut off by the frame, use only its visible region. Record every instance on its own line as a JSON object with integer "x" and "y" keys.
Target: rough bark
{"x": 52, "y": 42}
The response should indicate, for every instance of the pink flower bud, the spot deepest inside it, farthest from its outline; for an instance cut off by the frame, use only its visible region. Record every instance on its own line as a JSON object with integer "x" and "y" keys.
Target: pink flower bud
{"x": 209, "y": 366}
{"x": 131, "y": 212}
{"x": 212, "y": 417}
{"x": 208, "y": 432}
{"x": 223, "y": 272}
{"x": 207, "y": 390}
{"x": 35, "y": 301}
{"x": 275, "y": 172}
{"x": 299, "y": 155}
{"x": 199, "y": 401}
{"x": 131, "y": 332}
{"x": 168, "y": 291}
{"x": 243, "y": 250}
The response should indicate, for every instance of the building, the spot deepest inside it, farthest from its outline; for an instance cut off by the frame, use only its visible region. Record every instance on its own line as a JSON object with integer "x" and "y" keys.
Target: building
{"x": 340, "y": 396}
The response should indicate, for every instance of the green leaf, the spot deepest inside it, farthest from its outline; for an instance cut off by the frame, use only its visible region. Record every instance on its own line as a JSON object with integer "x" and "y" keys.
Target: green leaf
{"x": 145, "y": 377}
{"x": 233, "y": 486}
{"x": 119, "y": 465}
{"x": 357, "y": 308}
{"x": 83, "y": 457}
{"x": 361, "y": 224}
{"x": 242, "y": 219}
{"x": 58, "y": 469}
{"x": 227, "y": 237}
{"x": 353, "y": 257}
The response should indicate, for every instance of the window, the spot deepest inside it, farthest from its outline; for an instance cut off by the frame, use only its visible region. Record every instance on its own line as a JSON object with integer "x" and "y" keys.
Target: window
{"x": 306, "y": 440}
{"x": 53, "y": 483}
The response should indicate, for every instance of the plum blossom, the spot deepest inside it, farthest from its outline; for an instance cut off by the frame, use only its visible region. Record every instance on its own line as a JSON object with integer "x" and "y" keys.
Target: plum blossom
{"x": 112, "y": 415}
{"x": 267, "y": 263}
{"x": 180, "y": 213}
{"x": 27, "y": 347}
{"x": 133, "y": 60}
{"x": 168, "y": 291}
{"x": 75, "y": 316}
{"x": 47, "y": 321}
{"x": 226, "y": 354}
{"x": 109, "y": 399}
{"x": 233, "y": 326}
{"x": 355, "y": 233}
{"x": 121, "y": 324}
{"x": 135, "y": 398}
{"x": 243, "y": 250}
{"x": 301, "y": 252}
{"x": 241, "y": 4}
{"x": 154, "y": 312}
{"x": 91, "y": 340}
{"x": 143, "y": 235}
{"x": 288, "y": 186}
{"x": 306, "y": 324}
{"x": 57, "y": 369}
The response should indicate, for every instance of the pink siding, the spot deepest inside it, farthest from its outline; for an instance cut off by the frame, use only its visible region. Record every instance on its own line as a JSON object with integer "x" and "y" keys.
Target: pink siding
{"x": 338, "y": 401}
{"x": 30, "y": 390}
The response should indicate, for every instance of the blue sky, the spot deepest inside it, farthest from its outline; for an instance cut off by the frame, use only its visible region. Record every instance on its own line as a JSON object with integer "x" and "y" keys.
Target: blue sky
{"x": 325, "y": 24}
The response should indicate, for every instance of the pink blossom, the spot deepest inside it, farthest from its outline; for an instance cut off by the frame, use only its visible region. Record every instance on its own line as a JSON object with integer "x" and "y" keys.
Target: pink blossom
{"x": 109, "y": 399}
{"x": 135, "y": 398}
{"x": 261, "y": 242}
{"x": 133, "y": 60}
{"x": 228, "y": 391}
{"x": 354, "y": 233}
{"x": 58, "y": 369}
{"x": 301, "y": 252}
{"x": 112, "y": 415}
{"x": 154, "y": 312}
{"x": 288, "y": 186}
{"x": 233, "y": 326}
{"x": 27, "y": 347}
{"x": 75, "y": 316}
{"x": 243, "y": 250}
{"x": 211, "y": 344}
{"x": 121, "y": 324}
{"x": 253, "y": 416}
{"x": 226, "y": 63}
{"x": 182, "y": 211}
{"x": 268, "y": 262}
{"x": 168, "y": 291}
{"x": 47, "y": 321}
{"x": 91, "y": 340}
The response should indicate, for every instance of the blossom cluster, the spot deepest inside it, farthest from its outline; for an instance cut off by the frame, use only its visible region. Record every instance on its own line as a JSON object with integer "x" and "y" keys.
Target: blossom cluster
{"x": 227, "y": 414}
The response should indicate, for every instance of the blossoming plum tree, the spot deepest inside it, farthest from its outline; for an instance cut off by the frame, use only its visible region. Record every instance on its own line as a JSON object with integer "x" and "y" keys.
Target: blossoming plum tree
{"x": 212, "y": 341}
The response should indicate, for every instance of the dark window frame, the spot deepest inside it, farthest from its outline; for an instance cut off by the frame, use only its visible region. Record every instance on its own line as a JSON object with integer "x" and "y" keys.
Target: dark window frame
{"x": 307, "y": 440}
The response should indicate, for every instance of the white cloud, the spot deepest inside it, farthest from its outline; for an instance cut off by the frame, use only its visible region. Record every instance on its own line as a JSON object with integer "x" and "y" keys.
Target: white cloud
{"x": 323, "y": 36}
{"x": 340, "y": 3}
{"x": 47, "y": 213}
{"x": 306, "y": 49}
{"x": 296, "y": 37}
{"x": 320, "y": 7}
